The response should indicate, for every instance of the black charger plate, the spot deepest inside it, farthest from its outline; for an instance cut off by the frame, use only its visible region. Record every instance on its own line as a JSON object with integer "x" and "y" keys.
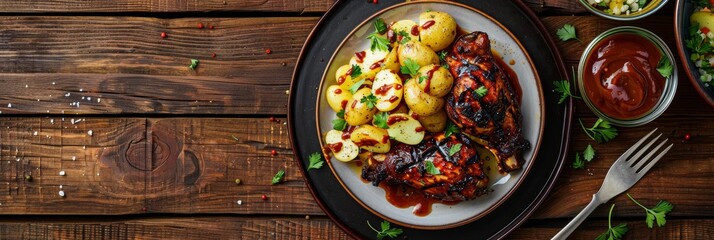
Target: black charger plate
{"x": 324, "y": 40}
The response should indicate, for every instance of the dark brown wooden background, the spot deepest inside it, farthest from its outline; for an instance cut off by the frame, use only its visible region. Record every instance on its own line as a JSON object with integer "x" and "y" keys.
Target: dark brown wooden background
{"x": 167, "y": 143}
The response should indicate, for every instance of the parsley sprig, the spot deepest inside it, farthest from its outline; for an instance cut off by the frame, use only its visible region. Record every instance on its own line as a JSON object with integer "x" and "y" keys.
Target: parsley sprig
{"x": 563, "y": 87}
{"x": 387, "y": 230}
{"x": 278, "y": 177}
{"x": 454, "y": 149}
{"x": 588, "y": 156}
{"x": 657, "y": 213}
{"x": 380, "y": 120}
{"x": 405, "y": 37}
{"x": 567, "y": 32}
{"x": 370, "y": 100}
{"x": 481, "y": 91}
{"x": 410, "y": 67}
{"x": 377, "y": 41}
{"x": 355, "y": 71}
{"x": 601, "y": 131}
{"x": 430, "y": 168}
{"x": 194, "y": 64}
{"x": 315, "y": 161}
{"x": 380, "y": 26}
{"x": 613, "y": 233}
{"x": 450, "y": 129}
{"x": 339, "y": 124}
{"x": 664, "y": 67}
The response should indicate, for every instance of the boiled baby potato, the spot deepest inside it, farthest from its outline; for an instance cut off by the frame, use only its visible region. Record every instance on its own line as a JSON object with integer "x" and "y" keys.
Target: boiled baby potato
{"x": 438, "y": 79}
{"x": 337, "y": 97}
{"x": 433, "y": 123}
{"x": 417, "y": 52}
{"x": 405, "y": 128}
{"x": 437, "y": 29}
{"x": 405, "y": 28}
{"x": 391, "y": 62}
{"x": 371, "y": 138}
{"x": 370, "y": 64}
{"x": 421, "y": 103}
{"x": 401, "y": 108}
{"x": 388, "y": 89}
{"x": 347, "y": 149}
{"x": 357, "y": 112}
{"x": 704, "y": 19}
{"x": 344, "y": 78}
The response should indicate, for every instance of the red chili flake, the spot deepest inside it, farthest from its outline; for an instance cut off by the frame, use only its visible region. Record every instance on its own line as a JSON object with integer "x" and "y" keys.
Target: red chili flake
{"x": 374, "y": 1}
{"x": 264, "y": 197}
{"x": 272, "y": 119}
{"x": 143, "y": 209}
{"x": 200, "y": 25}
{"x": 163, "y": 35}
{"x": 268, "y": 51}
{"x": 213, "y": 55}
{"x": 273, "y": 152}
{"x": 210, "y": 26}
{"x": 687, "y": 136}
{"x": 704, "y": 30}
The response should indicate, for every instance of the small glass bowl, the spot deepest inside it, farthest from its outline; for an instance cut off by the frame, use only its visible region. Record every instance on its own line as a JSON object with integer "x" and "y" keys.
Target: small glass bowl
{"x": 650, "y": 8}
{"x": 670, "y": 84}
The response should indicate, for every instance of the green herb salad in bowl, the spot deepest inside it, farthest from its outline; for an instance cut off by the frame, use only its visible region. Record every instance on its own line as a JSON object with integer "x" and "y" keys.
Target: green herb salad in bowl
{"x": 694, "y": 25}
{"x": 623, "y": 9}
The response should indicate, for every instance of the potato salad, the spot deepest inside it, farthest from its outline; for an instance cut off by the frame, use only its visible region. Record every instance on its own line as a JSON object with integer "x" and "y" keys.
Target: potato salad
{"x": 393, "y": 90}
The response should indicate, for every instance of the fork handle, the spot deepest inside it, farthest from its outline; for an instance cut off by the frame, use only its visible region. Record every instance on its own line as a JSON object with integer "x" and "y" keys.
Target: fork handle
{"x": 568, "y": 229}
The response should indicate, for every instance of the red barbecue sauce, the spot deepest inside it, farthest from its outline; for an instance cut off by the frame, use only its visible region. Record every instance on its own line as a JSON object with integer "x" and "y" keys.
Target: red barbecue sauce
{"x": 383, "y": 89}
{"x": 360, "y": 56}
{"x": 428, "y": 24}
{"x": 376, "y": 64}
{"x": 347, "y": 133}
{"x": 395, "y": 119}
{"x": 335, "y": 147}
{"x": 621, "y": 77}
{"x": 415, "y": 30}
{"x": 429, "y": 76}
{"x": 403, "y": 196}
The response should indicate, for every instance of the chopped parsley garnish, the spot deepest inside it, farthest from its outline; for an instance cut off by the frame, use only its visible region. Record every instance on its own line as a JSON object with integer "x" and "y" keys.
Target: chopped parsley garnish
{"x": 588, "y": 156}
{"x": 386, "y": 231}
{"x": 451, "y": 129}
{"x": 563, "y": 87}
{"x": 454, "y": 149}
{"x": 278, "y": 177}
{"x": 578, "y": 163}
{"x": 567, "y": 32}
{"x": 422, "y": 78}
{"x": 315, "y": 161}
{"x": 370, "y": 100}
{"x": 355, "y": 71}
{"x": 589, "y": 153}
{"x": 430, "y": 168}
{"x": 442, "y": 55}
{"x": 339, "y": 124}
{"x": 658, "y": 213}
{"x": 380, "y": 120}
{"x": 341, "y": 114}
{"x": 664, "y": 67}
{"x": 378, "y": 42}
{"x": 380, "y": 26}
{"x": 355, "y": 87}
{"x": 405, "y": 37}
{"x": 410, "y": 67}
{"x": 613, "y": 233}
{"x": 601, "y": 131}
{"x": 194, "y": 64}
{"x": 481, "y": 91}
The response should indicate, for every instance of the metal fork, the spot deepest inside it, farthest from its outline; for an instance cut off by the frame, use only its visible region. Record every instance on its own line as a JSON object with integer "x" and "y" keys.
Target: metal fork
{"x": 624, "y": 173}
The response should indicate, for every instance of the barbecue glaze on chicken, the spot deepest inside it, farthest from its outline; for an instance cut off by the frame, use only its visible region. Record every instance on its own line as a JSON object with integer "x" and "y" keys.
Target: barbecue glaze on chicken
{"x": 461, "y": 175}
{"x": 494, "y": 119}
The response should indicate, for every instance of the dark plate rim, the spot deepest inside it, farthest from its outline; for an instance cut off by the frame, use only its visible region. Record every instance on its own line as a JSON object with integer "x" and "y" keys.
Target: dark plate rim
{"x": 541, "y": 195}
{"x": 679, "y": 24}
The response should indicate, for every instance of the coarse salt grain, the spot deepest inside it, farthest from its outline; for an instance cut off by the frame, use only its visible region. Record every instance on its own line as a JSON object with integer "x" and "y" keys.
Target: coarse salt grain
{"x": 74, "y": 158}
{"x": 90, "y": 132}
{"x": 35, "y": 133}
{"x": 9, "y": 105}
{"x": 61, "y": 193}
{"x": 62, "y": 173}
{"x": 239, "y": 202}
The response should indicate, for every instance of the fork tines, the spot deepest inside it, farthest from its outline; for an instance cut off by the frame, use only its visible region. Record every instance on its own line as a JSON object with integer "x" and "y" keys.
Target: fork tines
{"x": 643, "y": 164}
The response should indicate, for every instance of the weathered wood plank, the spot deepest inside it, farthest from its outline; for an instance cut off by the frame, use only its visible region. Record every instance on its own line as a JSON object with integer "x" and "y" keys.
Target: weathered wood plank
{"x": 29, "y": 6}
{"x": 136, "y": 165}
{"x": 133, "y": 45}
{"x": 172, "y": 228}
{"x": 298, "y": 228}
{"x": 54, "y": 94}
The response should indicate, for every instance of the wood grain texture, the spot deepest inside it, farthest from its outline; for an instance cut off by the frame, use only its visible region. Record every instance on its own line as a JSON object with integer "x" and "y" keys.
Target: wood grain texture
{"x": 29, "y": 6}
{"x": 136, "y": 165}
{"x": 293, "y": 228}
{"x": 172, "y": 228}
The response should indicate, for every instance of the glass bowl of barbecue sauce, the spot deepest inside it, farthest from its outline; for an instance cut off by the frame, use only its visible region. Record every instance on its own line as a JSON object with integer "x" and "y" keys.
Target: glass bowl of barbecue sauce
{"x": 628, "y": 76}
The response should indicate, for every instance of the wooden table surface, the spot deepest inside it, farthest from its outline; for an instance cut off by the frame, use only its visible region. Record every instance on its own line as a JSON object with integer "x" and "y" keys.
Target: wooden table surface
{"x": 150, "y": 149}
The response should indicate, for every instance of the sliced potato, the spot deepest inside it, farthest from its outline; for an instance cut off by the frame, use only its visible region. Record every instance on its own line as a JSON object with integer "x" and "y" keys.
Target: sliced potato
{"x": 437, "y": 80}
{"x": 405, "y": 128}
{"x": 418, "y": 52}
{"x": 421, "y": 103}
{"x": 344, "y": 78}
{"x": 437, "y": 29}
{"x": 357, "y": 112}
{"x": 388, "y": 89}
{"x": 371, "y": 138}
{"x": 347, "y": 149}
{"x": 433, "y": 123}
{"x": 370, "y": 64}
{"x": 337, "y": 97}
{"x": 391, "y": 62}
{"x": 405, "y": 28}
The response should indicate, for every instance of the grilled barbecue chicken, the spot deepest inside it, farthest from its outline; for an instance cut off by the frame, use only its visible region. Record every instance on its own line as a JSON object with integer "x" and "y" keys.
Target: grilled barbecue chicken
{"x": 493, "y": 119}
{"x": 461, "y": 175}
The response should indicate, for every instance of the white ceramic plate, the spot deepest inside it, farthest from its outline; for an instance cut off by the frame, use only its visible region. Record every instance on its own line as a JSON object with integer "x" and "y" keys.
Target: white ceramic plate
{"x": 506, "y": 45}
